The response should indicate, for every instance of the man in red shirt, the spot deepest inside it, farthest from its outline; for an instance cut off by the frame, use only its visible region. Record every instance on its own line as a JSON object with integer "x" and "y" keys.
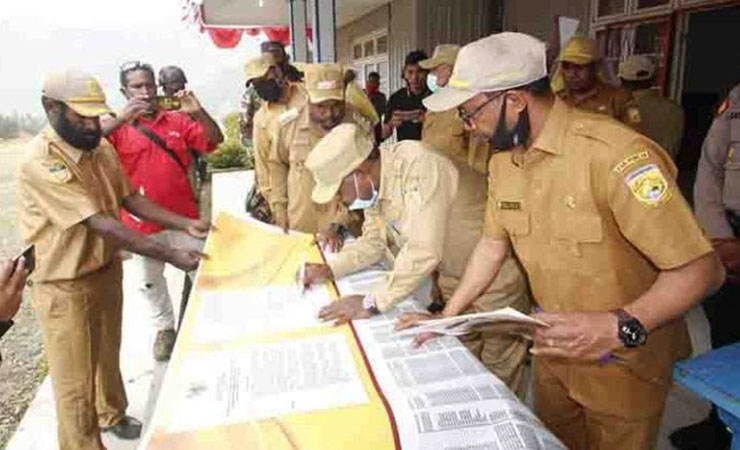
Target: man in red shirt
{"x": 152, "y": 145}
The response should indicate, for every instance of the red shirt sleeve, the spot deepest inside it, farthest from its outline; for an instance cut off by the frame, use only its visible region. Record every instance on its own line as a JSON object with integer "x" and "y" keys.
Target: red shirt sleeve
{"x": 195, "y": 135}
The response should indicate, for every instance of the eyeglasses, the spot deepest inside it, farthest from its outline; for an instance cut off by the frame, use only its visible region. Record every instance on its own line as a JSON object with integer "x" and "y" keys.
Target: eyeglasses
{"x": 468, "y": 117}
{"x": 133, "y": 65}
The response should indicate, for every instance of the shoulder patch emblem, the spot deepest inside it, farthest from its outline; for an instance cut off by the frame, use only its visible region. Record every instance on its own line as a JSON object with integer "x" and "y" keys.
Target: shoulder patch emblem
{"x": 648, "y": 185}
{"x": 58, "y": 170}
{"x": 630, "y": 160}
{"x": 288, "y": 116}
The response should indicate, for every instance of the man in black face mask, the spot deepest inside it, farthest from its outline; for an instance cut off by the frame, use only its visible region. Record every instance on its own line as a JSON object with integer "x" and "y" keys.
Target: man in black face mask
{"x": 279, "y": 95}
{"x": 612, "y": 251}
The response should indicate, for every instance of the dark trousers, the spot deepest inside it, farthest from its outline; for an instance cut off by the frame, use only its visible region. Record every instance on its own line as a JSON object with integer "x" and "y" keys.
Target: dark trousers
{"x": 723, "y": 312}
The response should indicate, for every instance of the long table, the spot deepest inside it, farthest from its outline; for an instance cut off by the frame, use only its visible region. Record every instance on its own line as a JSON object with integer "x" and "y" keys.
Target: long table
{"x": 254, "y": 369}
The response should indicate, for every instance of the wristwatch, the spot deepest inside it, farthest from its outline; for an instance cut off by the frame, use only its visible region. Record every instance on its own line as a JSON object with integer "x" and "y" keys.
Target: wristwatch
{"x": 631, "y": 332}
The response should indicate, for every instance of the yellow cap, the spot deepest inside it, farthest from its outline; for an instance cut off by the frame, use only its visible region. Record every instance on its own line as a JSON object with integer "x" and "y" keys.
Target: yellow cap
{"x": 324, "y": 81}
{"x": 636, "y": 68}
{"x": 495, "y": 63}
{"x": 580, "y": 50}
{"x": 443, "y": 54}
{"x": 334, "y": 157}
{"x": 79, "y": 90}
{"x": 257, "y": 67}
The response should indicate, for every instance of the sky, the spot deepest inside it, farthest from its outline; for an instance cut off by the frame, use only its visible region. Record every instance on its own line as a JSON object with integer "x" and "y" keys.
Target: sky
{"x": 40, "y": 36}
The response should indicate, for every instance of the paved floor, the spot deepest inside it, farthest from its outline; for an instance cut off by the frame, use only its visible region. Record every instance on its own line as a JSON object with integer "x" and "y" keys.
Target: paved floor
{"x": 142, "y": 375}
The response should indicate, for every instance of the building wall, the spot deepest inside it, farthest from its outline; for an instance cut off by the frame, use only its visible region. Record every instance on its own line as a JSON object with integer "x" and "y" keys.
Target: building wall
{"x": 457, "y": 21}
{"x": 375, "y": 20}
{"x": 404, "y": 37}
{"x": 536, "y": 17}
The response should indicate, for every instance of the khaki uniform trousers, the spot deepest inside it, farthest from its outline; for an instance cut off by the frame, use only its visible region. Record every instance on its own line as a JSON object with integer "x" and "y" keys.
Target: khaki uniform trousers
{"x": 503, "y": 355}
{"x": 623, "y": 413}
{"x": 81, "y": 327}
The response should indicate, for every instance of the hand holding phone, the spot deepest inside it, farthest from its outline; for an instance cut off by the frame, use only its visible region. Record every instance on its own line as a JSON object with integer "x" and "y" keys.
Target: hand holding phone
{"x": 29, "y": 257}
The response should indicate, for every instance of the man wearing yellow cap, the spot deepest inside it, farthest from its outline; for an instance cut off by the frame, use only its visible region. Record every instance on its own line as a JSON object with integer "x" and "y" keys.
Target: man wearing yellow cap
{"x": 613, "y": 253}
{"x": 278, "y": 95}
{"x": 579, "y": 82}
{"x": 71, "y": 188}
{"x": 445, "y": 131}
{"x": 296, "y": 132}
{"x": 658, "y": 118}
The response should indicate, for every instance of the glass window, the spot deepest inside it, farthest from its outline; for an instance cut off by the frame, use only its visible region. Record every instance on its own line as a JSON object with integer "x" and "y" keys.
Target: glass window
{"x": 647, "y": 39}
{"x": 382, "y": 45}
{"x": 369, "y": 48}
{"x": 610, "y": 7}
{"x": 644, "y": 4}
{"x": 357, "y": 51}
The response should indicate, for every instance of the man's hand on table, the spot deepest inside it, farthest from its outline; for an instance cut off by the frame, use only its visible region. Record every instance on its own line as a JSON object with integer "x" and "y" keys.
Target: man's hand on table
{"x": 199, "y": 228}
{"x": 346, "y": 309}
{"x": 409, "y": 320}
{"x": 316, "y": 273}
{"x": 330, "y": 239}
{"x": 588, "y": 336}
{"x": 186, "y": 260}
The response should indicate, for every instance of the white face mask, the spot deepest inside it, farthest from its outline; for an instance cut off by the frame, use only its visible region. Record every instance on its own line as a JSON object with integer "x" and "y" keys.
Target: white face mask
{"x": 432, "y": 82}
{"x": 360, "y": 203}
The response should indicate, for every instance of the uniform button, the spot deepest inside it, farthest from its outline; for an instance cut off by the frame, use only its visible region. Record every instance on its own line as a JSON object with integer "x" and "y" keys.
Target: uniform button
{"x": 579, "y": 126}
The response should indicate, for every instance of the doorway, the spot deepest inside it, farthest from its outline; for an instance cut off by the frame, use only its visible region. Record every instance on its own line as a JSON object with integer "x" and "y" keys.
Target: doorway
{"x": 711, "y": 68}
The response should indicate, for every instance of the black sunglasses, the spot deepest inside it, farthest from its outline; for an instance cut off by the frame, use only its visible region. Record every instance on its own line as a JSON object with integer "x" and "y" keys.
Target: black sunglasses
{"x": 467, "y": 117}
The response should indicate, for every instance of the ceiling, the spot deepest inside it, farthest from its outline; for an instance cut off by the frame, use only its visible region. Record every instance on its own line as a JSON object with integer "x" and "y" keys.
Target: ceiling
{"x": 257, "y": 13}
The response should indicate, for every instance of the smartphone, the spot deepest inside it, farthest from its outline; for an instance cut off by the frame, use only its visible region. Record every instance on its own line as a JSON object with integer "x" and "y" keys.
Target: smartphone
{"x": 29, "y": 255}
{"x": 168, "y": 103}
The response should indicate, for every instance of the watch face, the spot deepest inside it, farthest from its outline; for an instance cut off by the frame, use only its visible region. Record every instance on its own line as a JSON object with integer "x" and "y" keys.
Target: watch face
{"x": 632, "y": 333}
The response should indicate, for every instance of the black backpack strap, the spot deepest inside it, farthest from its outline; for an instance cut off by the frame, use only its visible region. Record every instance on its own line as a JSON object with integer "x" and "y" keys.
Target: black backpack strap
{"x": 160, "y": 143}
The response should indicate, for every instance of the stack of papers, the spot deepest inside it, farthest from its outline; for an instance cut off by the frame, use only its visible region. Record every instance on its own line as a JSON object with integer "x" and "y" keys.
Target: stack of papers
{"x": 465, "y": 324}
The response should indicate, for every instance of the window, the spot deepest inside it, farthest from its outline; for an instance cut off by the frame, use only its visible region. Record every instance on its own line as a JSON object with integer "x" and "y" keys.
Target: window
{"x": 370, "y": 54}
{"x": 606, "y": 8}
{"x": 646, "y": 4}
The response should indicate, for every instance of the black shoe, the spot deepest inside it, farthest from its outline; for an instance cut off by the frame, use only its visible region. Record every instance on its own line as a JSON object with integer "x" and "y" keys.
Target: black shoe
{"x": 127, "y": 429}
{"x": 709, "y": 434}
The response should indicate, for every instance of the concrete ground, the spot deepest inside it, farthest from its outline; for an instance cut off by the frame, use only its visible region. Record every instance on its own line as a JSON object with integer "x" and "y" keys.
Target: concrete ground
{"x": 143, "y": 376}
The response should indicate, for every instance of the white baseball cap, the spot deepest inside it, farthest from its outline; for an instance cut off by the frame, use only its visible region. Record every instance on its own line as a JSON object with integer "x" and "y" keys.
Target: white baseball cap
{"x": 495, "y": 63}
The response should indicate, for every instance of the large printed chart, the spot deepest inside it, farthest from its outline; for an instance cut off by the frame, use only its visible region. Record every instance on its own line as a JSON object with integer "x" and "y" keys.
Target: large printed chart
{"x": 255, "y": 369}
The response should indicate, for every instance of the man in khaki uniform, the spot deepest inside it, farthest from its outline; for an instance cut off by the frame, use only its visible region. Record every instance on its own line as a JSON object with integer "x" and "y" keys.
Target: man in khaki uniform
{"x": 658, "y": 118}
{"x": 71, "y": 188}
{"x": 611, "y": 248}
{"x": 580, "y": 82}
{"x": 407, "y": 192}
{"x": 278, "y": 95}
{"x": 295, "y": 134}
{"x": 445, "y": 132}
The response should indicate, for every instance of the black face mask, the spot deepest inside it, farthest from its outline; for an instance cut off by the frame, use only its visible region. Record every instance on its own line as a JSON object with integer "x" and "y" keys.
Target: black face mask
{"x": 268, "y": 90}
{"x": 504, "y": 139}
{"x": 81, "y": 139}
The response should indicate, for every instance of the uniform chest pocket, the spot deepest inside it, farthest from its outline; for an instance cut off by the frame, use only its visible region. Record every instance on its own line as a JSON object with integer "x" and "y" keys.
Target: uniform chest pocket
{"x": 515, "y": 222}
{"x": 577, "y": 230}
{"x": 299, "y": 151}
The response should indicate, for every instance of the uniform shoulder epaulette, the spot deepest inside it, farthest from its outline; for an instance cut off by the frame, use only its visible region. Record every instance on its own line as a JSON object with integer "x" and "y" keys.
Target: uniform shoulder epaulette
{"x": 288, "y": 116}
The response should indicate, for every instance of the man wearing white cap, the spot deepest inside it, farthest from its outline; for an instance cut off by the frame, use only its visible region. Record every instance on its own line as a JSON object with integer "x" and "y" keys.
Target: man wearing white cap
{"x": 296, "y": 132}
{"x": 658, "y": 118}
{"x": 612, "y": 250}
{"x": 71, "y": 188}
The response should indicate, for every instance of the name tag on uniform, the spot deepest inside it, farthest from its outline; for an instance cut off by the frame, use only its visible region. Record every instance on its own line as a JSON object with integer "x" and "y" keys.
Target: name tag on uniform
{"x": 734, "y": 115}
{"x": 510, "y": 206}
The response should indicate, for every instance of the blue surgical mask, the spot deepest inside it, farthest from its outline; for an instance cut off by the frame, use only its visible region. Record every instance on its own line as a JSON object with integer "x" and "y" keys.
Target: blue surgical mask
{"x": 360, "y": 203}
{"x": 432, "y": 82}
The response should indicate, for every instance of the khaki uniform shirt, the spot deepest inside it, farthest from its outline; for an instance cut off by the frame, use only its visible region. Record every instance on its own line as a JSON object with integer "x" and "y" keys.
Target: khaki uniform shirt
{"x": 606, "y": 99}
{"x": 660, "y": 119}
{"x": 264, "y": 121}
{"x": 593, "y": 212}
{"x": 409, "y": 224}
{"x": 294, "y": 136}
{"x": 717, "y": 187}
{"x": 59, "y": 187}
{"x": 445, "y": 131}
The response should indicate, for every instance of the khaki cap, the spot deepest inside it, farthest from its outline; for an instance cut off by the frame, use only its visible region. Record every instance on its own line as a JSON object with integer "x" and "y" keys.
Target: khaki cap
{"x": 636, "y": 68}
{"x": 334, "y": 157}
{"x": 495, "y": 63}
{"x": 443, "y": 54}
{"x": 580, "y": 50}
{"x": 79, "y": 90}
{"x": 324, "y": 81}
{"x": 259, "y": 66}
